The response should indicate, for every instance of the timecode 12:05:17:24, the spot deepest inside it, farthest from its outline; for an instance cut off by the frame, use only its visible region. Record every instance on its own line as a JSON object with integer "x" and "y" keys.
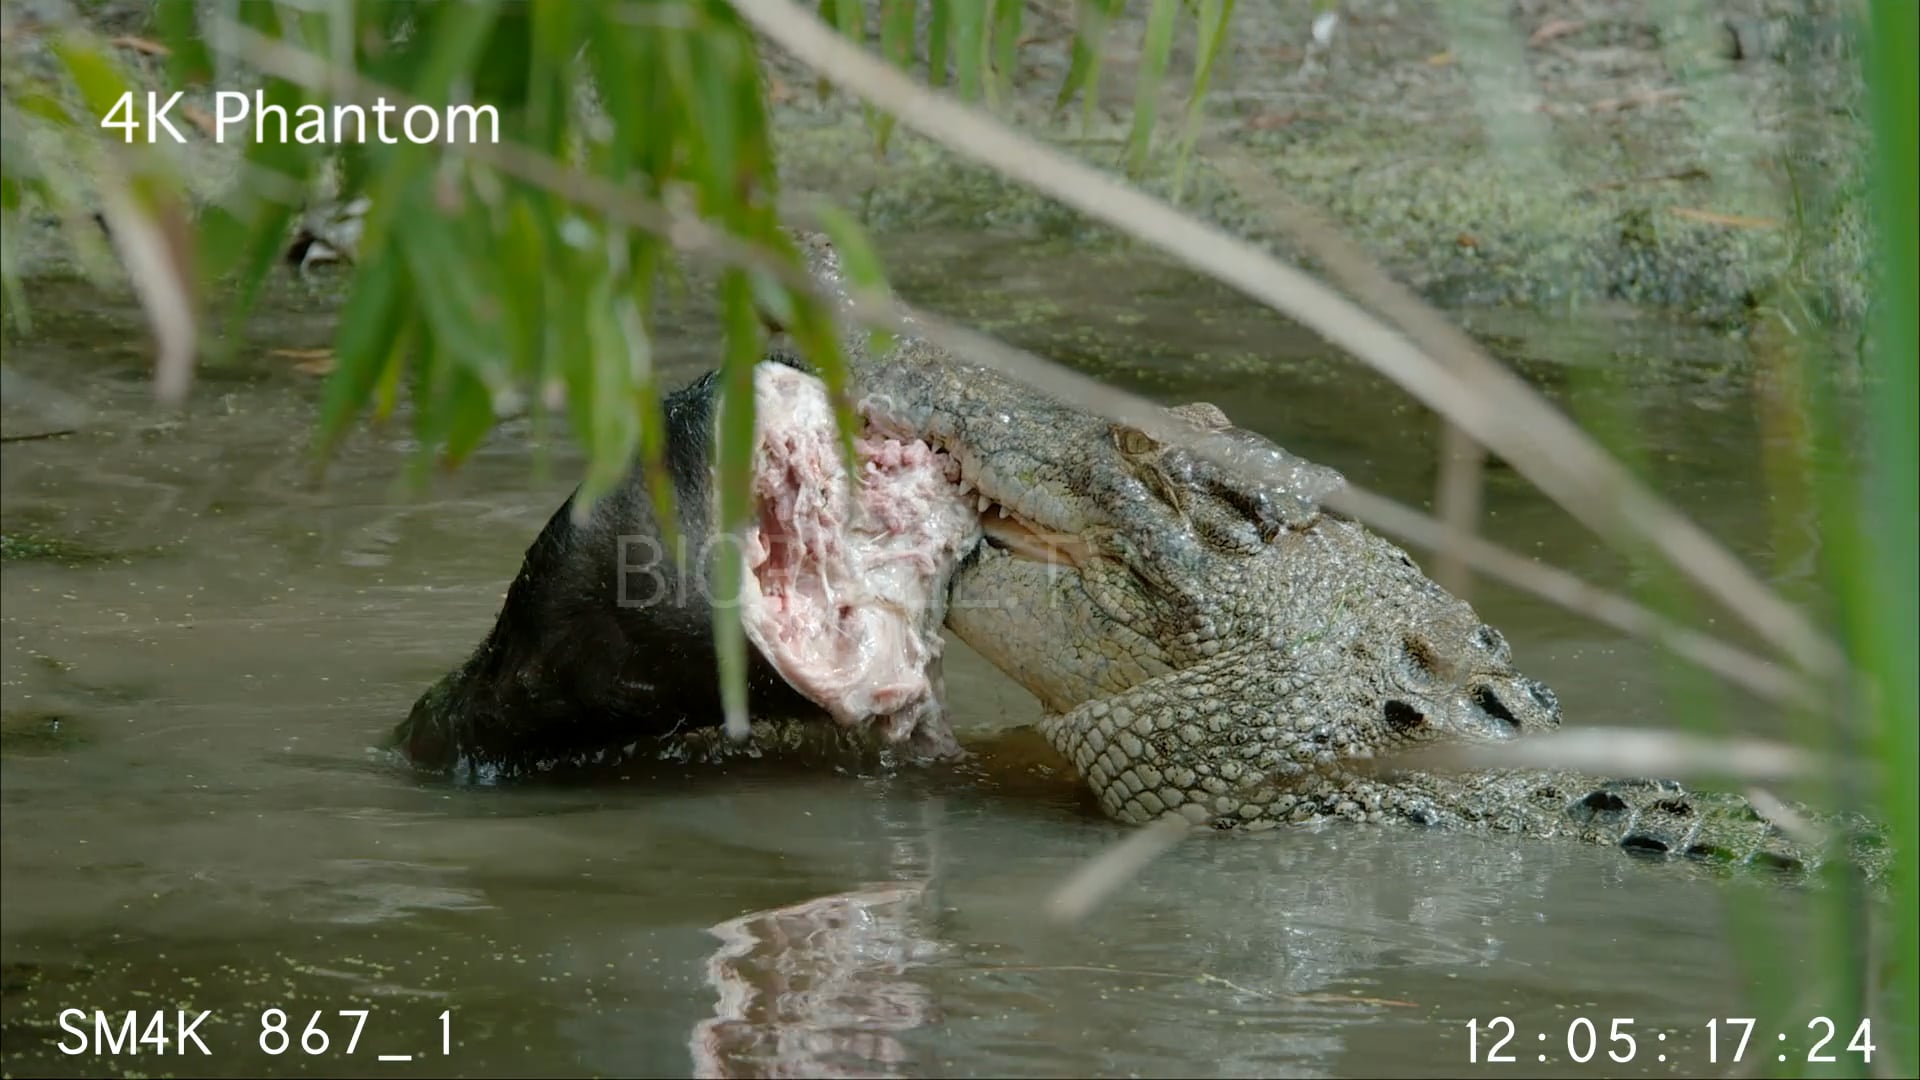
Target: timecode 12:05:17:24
{"x": 1729, "y": 1037}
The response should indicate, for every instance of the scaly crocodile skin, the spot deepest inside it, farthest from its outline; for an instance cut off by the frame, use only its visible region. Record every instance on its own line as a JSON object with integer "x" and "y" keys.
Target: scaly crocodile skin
{"x": 1222, "y": 648}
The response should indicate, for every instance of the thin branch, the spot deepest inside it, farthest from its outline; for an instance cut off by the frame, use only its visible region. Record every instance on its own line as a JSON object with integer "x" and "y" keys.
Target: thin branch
{"x": 1491, "y": 403}
{"x": 1622, "y": 752}
{"x": 1098, "y": 877}
{"x": 1761, "y": 676}
{"x": 1458, "y": 491}
{"x": 1457, "y": 498}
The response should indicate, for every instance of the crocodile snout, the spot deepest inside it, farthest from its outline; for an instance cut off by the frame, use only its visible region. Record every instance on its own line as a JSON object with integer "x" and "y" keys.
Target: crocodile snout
{"x": 1511, "y": 704}
{"x": 1543, "y": 696}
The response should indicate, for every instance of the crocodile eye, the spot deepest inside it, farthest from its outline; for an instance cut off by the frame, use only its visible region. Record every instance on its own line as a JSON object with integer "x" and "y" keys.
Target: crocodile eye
{"x": 1134, "y": 441}
{"x": 1419, "y": 657}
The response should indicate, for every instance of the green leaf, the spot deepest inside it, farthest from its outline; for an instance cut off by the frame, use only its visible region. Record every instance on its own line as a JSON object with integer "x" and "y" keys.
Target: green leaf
{"x": 548, "y": 87}
{"x": 970, "y": 44}
{"x": 829, "y": 14}
{"x": 601, "y": 401}
{"x": 523, "y": 261}
{"x": 858, "y": 262}
{"x": 635, "y": 328}
{"x": 1154, "y": 52}
{"x": 505, "y": 64}
{"x": 370, "y": 323}
{"x": 851, "y": 20}
{"x": 246, "y": 235}
{"x": 1006, "y": 43}
{"x": 17, "y": 307}
{"x": 709, "y": 120}
{"x": 1214, "y": 16}
{"x": 1083, "y": 69}
{"x": 623, "y": 67}
{"x": 467, "y": 323}
{"x": 432, "y": 379}
{"x": 653, "y": 458}
{"x": 939, "y": 39}
{"x": 36, "y": 100}
{"x": 102, "y": 85}
{"x": 455, "y": 36}
{"x": 386, "y": 392}
{"x": 387, "y": 40}
{"x": 468, "y": 417}
{"x": 815, "y": 329}
{"x": 735, "y": 471}
{"x": 896, "y": 44}
{"x": 1885, "y": 613}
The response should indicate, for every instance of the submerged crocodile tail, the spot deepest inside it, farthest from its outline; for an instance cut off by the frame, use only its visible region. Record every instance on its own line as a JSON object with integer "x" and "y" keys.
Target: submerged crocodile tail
{"x": 1650, "y": 819}
{"x": 1660, "y": 819}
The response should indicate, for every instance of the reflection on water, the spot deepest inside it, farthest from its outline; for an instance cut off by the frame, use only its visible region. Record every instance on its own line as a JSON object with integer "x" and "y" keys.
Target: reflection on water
{"x": 818, "y": 988}
{"x": 196, "y": 815}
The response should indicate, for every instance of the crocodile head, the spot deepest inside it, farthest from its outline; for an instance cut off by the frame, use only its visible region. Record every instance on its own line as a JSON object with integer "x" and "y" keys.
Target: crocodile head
{"x": 1211, "y": 645}
{"x": 1228, "y": 650}
{"x": 1202, "y": 641}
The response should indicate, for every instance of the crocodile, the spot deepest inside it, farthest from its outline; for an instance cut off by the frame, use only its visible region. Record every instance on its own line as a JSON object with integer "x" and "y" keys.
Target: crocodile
{"x": 1212, "y": 642}
{"x": 1205, "y": 640}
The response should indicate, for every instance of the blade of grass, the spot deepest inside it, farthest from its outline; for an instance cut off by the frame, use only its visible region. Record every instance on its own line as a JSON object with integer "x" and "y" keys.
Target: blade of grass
{"x": 896, "y": 44}
{"x": 1006, "y": 46}
{"x": 647, "y": 406}
{"x": 1092, "y": 17}
{"x": 1214, "y": 17}
{"x": 19, "y": 313}
{"x": 817, "y": 334}
{"x": 969, "y": 44}
{"x": 1883, "y": 607}
{"x": 604, "y": 415}
{"x": 735, "y": 479}
{"x": 1162, "y": 20}
{"x": 940, "y": 31}
{"x": 850, "y": 17}
{"x": 469, "y": 417}
{"x": 189, "y": 61}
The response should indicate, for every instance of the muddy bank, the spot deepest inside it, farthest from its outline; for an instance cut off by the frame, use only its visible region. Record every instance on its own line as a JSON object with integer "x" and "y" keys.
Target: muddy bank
{"x": 1705, "y": 160}
{"x": 1556, "y": 155}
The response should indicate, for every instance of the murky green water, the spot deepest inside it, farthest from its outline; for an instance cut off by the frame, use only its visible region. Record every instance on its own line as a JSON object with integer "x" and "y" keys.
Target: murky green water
{"x": 196, "y": 818}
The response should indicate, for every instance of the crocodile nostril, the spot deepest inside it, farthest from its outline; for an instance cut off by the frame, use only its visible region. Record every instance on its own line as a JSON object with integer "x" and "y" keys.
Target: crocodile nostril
{"x": 1490, "y": 703}
{"x": 1403, "y": 717}
{"x": 1491, "y": 641}
{"x": 1544, "y": 696}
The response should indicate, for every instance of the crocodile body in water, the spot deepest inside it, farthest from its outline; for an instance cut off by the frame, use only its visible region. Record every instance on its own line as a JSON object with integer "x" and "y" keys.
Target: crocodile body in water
{"x": 1221, "y": 647}
{"x": 1203, "y": 643}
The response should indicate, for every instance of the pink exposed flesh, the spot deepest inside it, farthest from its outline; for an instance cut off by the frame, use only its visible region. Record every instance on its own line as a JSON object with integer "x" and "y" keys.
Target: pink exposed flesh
{"x": 846, "y": 590}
